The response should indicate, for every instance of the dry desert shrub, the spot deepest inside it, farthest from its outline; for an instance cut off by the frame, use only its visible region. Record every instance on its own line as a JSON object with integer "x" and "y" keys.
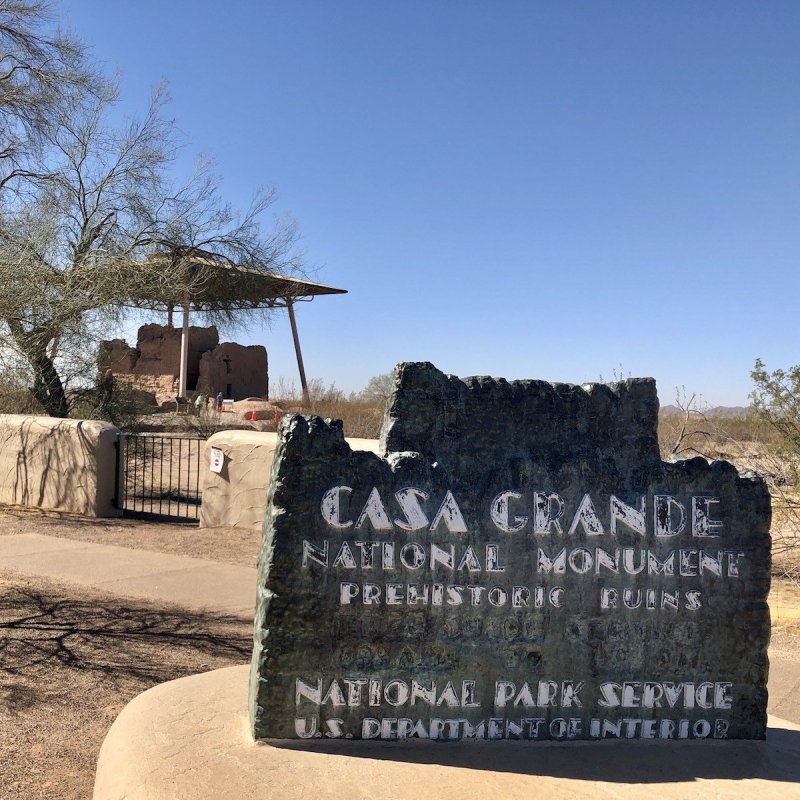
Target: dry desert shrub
{"x": 751, "y": 444}
{"x": 361, "y": 413}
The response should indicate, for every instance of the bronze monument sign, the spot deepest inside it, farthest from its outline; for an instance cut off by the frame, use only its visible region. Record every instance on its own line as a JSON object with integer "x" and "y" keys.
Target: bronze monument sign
{"x": 519, "y": 565}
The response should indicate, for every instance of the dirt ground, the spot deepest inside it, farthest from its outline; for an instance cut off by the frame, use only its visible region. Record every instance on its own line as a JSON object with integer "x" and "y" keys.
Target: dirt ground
{"x": 228, "y": 545}
{"x": 71, "y": 658}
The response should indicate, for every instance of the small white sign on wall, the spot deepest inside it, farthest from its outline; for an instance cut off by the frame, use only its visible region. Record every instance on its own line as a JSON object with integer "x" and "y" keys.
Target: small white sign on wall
{"x": 217, "y": 460}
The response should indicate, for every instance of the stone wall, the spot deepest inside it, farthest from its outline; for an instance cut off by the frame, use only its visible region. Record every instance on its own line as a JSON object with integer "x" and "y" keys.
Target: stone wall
{"x": 237, "y": 371}
{"x": 159, "y": 350}
{"x": 237, "y": 496}
{"x": 161, "y": 389}
{"x": 517, "y": 564}
{"x": 58, "y": 464}
{"x": 116, "y": 355}
{"x": 153, "y": 365}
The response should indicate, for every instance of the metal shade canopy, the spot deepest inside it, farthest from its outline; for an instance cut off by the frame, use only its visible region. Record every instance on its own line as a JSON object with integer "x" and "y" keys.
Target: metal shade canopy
{"x": 210, "y": 284}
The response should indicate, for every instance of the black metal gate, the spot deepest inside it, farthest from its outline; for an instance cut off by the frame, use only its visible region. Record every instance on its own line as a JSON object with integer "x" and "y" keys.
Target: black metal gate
{"x": 159, "y": 476}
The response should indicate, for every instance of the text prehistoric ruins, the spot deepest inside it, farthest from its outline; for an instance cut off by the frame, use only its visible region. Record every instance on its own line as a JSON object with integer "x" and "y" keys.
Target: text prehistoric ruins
{"x": 519, "y": 565}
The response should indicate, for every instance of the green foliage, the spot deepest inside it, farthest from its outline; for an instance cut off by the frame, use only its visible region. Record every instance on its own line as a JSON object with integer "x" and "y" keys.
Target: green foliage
{"x": 776, "y": 401}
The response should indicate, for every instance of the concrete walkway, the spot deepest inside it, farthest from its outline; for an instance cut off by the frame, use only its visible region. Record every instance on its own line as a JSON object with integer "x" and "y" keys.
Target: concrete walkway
{"x": 159, "y": 577}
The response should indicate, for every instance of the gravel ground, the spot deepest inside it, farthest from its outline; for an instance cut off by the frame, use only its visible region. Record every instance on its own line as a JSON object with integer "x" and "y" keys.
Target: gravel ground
{"x": 71, "y": 657}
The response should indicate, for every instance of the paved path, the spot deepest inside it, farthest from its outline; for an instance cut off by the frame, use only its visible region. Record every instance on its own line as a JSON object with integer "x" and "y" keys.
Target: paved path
{"x": 191, "y": 582}
{"x": 784, "y": 687}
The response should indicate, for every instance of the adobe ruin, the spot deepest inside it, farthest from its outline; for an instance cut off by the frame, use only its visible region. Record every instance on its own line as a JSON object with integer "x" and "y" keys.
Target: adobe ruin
{"x": 153, "y": 366}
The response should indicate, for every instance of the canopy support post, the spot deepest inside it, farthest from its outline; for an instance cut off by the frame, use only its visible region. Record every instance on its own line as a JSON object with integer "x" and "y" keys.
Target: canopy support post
{"x": 184, "y": 352}
{"x": 298, "y": 353}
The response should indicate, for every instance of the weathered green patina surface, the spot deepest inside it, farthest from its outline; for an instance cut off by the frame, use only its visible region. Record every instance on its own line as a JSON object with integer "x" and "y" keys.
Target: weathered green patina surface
{"x": 519, "y": 565}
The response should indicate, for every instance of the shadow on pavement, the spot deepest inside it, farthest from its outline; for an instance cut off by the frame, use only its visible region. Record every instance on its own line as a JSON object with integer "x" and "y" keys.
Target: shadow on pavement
{"x": 634, "y": 762}
{"x": 44, "y": 634}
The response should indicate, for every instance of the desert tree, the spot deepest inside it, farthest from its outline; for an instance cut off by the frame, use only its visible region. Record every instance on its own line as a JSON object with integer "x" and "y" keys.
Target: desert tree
{"x": 39, "y": 70}
{"x": 91, "y": 224}
{"x": 776, "y": 403}
{"x": 378, "y": 388}
{"x": 192, "y": 231}
{"x": 69, "y": 233}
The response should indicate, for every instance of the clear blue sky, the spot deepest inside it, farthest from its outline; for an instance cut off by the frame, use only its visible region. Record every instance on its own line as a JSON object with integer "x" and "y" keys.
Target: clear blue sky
{"x": 514, "y": 188}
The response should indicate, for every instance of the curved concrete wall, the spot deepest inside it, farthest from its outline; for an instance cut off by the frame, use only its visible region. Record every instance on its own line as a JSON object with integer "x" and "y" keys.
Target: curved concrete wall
{"x": 237, "y": 496}
{"x": 58, "y": 464}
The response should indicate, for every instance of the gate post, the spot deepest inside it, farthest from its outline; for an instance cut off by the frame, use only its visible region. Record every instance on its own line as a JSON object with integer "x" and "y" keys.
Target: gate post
{"x": 119, "y": 484}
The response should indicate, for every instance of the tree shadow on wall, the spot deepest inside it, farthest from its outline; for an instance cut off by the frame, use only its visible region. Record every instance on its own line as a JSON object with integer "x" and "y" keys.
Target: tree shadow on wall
{"x": 52, "y": 466}
{"x": 46, "y": 640}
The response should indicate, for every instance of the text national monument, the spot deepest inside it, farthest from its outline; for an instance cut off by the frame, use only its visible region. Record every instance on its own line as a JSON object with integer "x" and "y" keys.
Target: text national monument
{"x": 520, "y": 564}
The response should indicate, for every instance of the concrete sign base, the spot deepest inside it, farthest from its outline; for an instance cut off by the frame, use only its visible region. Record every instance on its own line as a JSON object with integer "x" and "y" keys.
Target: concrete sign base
{"x": 188, "y": 740}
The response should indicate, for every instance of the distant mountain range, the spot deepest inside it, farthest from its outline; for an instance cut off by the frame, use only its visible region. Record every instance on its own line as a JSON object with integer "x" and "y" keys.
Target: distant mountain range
{"x": 716, "y": 411}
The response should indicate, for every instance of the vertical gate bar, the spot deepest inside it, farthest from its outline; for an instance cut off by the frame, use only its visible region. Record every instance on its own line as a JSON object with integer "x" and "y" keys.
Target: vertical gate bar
{"x": 187, "y": 482}
{"x": 136, "y": 488}
{"x": 142, "y": 487}
{"x": 129, "y": 486}
{"x": 191, "y": 482}
{"x": 183, "y": 483}
{"x": 140, "y": 444}
{"x": 156, "y": 484}
{"x": 160, "y": 474}
{"x": 186, "y": 498}
{"x": 134, "y": 491}
{"x": 135, "y": 469}
{"x": 153, "y": 484}
{"x": 197, "y": 477}
{"x": 152, "y": 470}
{"x": 178, "y": 482}
{"x": 175, "y": 486}
{"x": 196, "y": 465}
{"x": 124, "y": 449}
{"x": 145, "y": 466}
{"x": 188, "y": 477}
{"x": 124, "y": 472}
{"x": 169, "y": 494}
{"x": 140, "y": 458}
{"x": 180, "y": 473}
{"x": 127, "y": 475}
